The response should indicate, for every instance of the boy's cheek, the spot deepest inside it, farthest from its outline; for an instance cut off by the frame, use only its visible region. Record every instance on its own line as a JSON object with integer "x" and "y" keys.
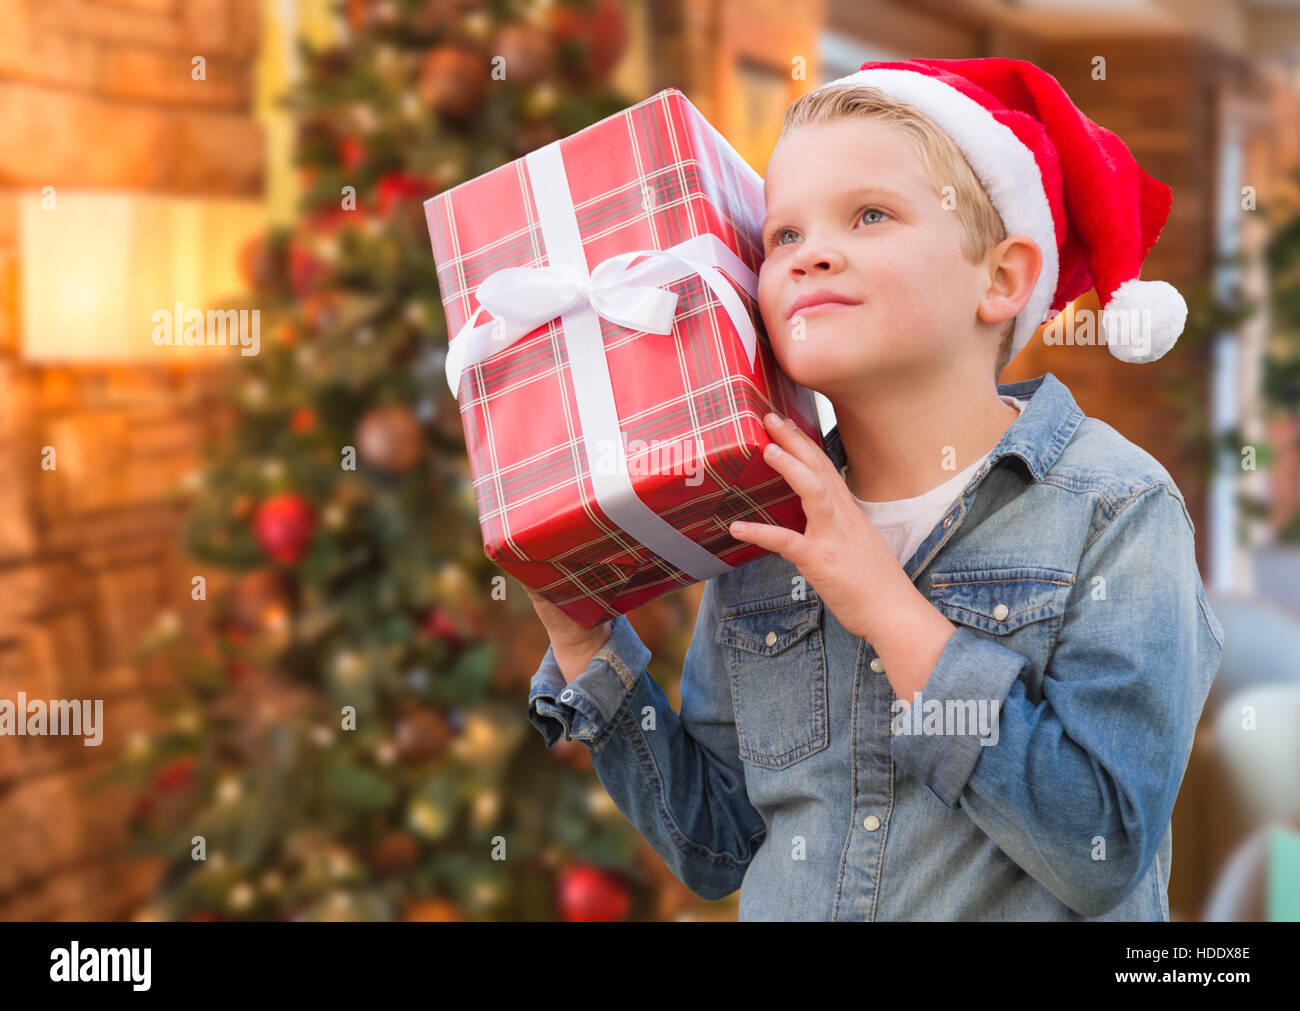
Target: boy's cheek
{"x": 768, "y": 308}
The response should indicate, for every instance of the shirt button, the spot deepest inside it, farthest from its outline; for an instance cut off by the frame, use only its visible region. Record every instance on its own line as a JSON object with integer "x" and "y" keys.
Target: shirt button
{"x": 947, "y": 522}
{"x": 771, "y": 639}
{"x": 877, "y": 666}
{"x": 1000, "y": 612}
{"x": 566, "y": 695}
{"x": 871, "y": 823}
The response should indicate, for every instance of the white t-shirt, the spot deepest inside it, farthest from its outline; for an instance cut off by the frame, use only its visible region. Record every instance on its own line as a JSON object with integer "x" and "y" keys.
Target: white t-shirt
{"x": 906, "y": 522}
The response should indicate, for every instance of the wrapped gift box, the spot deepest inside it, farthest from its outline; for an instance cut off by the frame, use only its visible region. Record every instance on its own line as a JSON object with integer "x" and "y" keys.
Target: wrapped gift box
{"x": 609, "y": 359}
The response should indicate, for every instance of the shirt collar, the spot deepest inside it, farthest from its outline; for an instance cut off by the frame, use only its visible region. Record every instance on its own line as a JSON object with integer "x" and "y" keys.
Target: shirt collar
{"x": 1038, "y": 436}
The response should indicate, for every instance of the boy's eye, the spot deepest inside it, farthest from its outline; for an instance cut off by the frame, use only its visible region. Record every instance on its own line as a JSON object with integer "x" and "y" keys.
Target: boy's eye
{"x": 776, "y": 236}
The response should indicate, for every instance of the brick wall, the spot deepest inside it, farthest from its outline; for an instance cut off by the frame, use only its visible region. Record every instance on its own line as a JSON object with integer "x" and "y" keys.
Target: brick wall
{"x": 98, "y": 94}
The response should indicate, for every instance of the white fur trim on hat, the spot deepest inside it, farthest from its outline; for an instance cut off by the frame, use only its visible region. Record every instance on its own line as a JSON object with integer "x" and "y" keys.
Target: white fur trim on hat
{"x": 1004, "y": 166}
{"x": 1152, "y": 314}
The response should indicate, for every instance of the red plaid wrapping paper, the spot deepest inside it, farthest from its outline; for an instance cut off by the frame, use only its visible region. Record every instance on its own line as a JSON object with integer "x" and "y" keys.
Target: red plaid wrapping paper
{"x": 647, "y": 178}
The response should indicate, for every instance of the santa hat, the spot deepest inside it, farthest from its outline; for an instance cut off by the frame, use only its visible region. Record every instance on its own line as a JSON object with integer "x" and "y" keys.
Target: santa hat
{"x": 1057, "y": 177}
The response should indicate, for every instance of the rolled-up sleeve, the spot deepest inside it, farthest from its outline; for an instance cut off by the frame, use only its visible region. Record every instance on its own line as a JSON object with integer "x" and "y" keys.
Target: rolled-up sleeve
{"x": 1080, "y": 786}
{"x": 679, "y": 780}
{"x": 583, "y": 710}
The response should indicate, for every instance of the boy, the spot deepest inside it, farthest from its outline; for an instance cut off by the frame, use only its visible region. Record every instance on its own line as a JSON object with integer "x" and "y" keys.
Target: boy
{"x": 968, "y": 689}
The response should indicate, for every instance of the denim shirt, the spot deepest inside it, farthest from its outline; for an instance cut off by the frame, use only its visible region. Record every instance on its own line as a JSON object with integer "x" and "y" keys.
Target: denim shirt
{"x": 1083, "y": 652}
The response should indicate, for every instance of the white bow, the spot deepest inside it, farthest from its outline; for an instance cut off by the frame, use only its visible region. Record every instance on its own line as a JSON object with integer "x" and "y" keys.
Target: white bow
{"x": 523, "y": 298}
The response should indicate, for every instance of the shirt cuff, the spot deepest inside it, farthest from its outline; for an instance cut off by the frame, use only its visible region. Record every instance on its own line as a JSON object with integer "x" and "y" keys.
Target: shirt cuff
{"x": 941, "y": 744}
{"x": 583, "y": 709}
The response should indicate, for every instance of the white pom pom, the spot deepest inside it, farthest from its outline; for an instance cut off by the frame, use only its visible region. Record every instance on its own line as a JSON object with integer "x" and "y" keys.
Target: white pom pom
{"x": 1142, "y": 320}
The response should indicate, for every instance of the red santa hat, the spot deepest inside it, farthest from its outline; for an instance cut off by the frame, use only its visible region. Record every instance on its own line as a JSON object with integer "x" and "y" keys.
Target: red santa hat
{"x": 1057, "y": 177}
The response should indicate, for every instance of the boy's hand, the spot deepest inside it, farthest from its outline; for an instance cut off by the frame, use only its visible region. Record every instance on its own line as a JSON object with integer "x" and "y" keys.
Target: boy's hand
{"x": 840, "y": 553}
{"x": 573, "y": 645}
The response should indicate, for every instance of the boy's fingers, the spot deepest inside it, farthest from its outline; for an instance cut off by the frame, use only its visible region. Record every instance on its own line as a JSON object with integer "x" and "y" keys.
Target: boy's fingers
{"x": 767, "y": 536}
{"x": 794, "y": 440}
{"x": 807, "y": 485}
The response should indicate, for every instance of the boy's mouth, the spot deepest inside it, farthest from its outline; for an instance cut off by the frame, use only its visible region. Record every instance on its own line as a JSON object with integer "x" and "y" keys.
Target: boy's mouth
{"x": 821, "y": 299}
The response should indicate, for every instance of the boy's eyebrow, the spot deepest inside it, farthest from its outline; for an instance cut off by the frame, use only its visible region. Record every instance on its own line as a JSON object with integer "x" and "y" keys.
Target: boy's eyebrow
{"x": 863, "y": 191}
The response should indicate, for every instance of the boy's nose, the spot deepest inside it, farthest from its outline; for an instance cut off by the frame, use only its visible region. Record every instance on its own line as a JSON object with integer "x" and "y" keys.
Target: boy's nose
{"x": 816, "y": 258}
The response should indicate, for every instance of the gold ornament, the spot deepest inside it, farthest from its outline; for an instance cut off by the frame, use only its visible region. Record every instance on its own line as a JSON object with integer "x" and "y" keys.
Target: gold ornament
{"x": 486, "y": 806}
{"x": 600, "y": 803}
{"x": 540, "y": 101}
{"x": 339, "y": 862}
{"x": 348, "y": 665}
{"x": 452, "y": 584}
{"x": 426, "y": 818}
{"x": 241, "y": 896}
{"x": 362, "y": 113}
{"x": 477, "y": 741}
{"x": 229, "y": 790}
{"x": 484, "y": 893}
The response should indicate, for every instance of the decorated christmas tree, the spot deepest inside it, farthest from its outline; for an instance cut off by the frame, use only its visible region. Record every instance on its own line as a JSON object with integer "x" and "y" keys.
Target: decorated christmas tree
{"x": 348, "y": 738}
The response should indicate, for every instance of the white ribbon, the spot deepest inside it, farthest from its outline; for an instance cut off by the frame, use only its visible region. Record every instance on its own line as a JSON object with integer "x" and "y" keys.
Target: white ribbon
{"x": 524, "y": 298}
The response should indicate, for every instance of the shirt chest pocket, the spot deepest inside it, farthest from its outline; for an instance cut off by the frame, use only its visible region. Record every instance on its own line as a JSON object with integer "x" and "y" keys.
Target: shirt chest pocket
{"x": 1024, "y": 604}
{"x": 777, "y": 663}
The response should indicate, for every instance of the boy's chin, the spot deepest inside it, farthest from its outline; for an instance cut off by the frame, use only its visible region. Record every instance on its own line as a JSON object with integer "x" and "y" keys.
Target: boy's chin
{"x": 819, "y": 376}
{"x": 808, "y": 366}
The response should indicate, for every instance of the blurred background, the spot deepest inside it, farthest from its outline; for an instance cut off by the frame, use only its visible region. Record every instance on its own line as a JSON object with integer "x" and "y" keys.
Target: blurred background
{"x": 178, "y": 538}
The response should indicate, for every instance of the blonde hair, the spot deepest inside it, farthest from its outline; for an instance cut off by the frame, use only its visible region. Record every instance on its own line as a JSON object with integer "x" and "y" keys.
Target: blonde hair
{"x": 980, "y": 224}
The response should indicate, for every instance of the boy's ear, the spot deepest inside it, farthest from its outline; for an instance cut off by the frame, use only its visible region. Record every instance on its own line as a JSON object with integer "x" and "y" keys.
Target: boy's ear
{"x": 1013, "y": 265}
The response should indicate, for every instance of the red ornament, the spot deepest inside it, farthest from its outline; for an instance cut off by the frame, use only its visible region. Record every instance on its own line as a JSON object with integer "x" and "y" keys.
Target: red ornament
{"x": 168, "y": 781}
{"x": 396, "y": 188}
{"x": 394, "y": 853}
{"x": 421, "y": 733}
{"x": 305, "y": 269}
{"x": 389, "y": 438}
{"x": 586, "y": 894}
{"x": 283, "y": 525}
{"x": 440, "y": 625}
{"x": 455, "y": 81}
{"x": 528, "y": 54}
{"x": 318, "y": 310}
{"x": 592, "y": 42}
{"x": 303, "y": 420}
{"x": 352, "y": 153}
